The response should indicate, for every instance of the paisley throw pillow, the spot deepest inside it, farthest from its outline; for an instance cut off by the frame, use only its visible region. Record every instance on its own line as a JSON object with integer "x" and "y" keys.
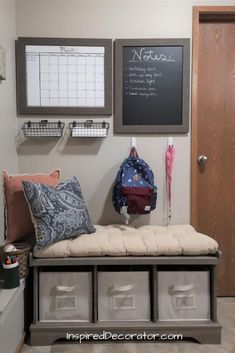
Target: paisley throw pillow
{"x": 57, "y": 212}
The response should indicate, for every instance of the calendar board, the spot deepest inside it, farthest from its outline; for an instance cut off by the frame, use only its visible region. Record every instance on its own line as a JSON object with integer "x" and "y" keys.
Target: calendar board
{"x": 64, "y": 76}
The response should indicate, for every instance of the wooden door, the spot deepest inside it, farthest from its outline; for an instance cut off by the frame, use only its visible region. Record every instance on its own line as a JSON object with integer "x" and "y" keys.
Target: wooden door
{"x": 213, "y": 134}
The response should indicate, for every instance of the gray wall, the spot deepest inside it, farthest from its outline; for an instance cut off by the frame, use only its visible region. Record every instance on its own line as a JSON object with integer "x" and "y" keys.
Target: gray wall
{"x": 8, "y": 119}
{"x": 95, "y": 163}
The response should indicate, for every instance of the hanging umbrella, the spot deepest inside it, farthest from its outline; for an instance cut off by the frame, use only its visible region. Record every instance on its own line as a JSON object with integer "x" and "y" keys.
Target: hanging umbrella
{"x": 169, "y": 158}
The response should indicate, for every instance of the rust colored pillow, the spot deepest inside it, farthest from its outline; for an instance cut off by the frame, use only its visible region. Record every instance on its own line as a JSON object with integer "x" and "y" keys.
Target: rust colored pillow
{"x": 18, "y": 222}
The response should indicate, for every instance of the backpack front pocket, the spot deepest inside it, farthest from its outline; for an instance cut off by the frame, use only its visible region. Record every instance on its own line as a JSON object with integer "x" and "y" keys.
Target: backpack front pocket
{"x": 139, "y": 200}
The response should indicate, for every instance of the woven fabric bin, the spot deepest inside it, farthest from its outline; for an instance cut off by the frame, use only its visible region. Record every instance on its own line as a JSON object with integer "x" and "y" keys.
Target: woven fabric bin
{"x": 22, "y": 252}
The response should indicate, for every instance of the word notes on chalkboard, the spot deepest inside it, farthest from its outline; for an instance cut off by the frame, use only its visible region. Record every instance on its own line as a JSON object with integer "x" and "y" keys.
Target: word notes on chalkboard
{"x": 153, "y": 86}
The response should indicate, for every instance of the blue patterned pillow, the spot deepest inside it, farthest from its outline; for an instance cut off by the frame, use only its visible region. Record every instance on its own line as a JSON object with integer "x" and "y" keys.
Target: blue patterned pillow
{"x": 58, "y": 212}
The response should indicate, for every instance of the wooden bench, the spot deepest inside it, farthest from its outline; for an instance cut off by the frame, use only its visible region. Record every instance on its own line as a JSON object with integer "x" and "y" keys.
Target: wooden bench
{"x": 207, "y": 330}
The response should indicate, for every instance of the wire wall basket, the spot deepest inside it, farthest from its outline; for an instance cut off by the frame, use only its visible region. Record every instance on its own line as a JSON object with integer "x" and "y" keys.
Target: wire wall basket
{"x": 89, "y": 128}
{"x": 43, "y": 128}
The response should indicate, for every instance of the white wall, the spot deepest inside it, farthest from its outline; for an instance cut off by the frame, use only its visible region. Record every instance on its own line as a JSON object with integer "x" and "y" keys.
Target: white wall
{"x": 96, "y": 163}
{"x": 8, "y": 120}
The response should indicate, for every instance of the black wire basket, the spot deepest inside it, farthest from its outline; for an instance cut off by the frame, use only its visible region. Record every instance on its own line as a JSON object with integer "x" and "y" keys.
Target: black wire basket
{"x": 43, "y": 128}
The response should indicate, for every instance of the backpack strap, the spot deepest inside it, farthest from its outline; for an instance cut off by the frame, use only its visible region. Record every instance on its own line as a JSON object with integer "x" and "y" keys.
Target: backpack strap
{"x": 133, "y": 152}
{"x": 125, "y": 215}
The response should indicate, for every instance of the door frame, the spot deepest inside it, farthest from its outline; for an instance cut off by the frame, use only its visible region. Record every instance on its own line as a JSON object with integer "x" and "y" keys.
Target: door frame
{"x": 201, "y": 14}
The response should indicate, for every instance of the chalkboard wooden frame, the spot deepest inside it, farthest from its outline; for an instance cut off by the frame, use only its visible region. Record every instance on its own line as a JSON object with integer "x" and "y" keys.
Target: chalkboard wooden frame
{"x": 21, "y": 87}
{"x": 119, "y": 126}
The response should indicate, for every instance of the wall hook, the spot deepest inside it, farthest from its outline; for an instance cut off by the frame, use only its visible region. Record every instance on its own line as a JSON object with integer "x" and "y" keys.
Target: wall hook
{"x": 133, "y": 142}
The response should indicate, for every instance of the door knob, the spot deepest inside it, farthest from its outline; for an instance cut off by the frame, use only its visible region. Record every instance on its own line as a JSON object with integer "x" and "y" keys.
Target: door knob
{"x": 202, "y": 160}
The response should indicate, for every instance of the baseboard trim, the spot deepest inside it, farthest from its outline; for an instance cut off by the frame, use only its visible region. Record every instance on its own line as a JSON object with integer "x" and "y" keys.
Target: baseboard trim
{"x": 20, "y": 344}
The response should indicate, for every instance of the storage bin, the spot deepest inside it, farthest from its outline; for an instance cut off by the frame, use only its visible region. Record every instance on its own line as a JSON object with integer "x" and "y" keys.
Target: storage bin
{"x": 183, "y": 295}
{"x": 123, "y": 296}
{"x": 65, "y": 296}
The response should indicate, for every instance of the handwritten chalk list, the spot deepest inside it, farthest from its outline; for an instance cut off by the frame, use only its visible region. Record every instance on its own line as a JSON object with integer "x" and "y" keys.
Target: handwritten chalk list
{"x": 152, "y": 85}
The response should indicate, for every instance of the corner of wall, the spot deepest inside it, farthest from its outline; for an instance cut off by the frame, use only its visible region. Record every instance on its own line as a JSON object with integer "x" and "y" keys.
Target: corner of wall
{"x": 8, "y": 116}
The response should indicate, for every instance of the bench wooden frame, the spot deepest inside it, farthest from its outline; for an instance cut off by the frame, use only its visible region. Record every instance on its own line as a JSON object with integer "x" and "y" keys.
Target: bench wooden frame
{"x": 45, "y": 333}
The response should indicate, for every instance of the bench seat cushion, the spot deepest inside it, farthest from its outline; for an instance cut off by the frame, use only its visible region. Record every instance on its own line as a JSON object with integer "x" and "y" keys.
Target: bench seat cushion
{"x": 121, "y": 240}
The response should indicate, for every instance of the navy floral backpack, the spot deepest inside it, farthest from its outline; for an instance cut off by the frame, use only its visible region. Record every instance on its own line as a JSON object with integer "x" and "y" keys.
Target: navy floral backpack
{"x": 134, "y": 191}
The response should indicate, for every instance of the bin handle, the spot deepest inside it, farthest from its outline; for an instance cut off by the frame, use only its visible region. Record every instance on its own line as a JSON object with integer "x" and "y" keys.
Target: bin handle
{"x": 65, "y": 288}
{"x": 181, "y": 288}
{"x": 117, "y": 288}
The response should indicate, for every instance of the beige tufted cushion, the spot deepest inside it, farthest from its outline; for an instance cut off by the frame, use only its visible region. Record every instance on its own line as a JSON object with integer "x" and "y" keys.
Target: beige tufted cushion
{"x": 121, "y": 240}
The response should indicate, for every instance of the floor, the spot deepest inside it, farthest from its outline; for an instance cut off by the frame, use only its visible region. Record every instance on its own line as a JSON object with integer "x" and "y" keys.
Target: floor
{"x": 226, "y": 316}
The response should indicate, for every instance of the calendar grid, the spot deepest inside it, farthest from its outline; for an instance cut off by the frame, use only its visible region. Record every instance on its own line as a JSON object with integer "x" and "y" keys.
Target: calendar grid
{"x": 70, "y": 80}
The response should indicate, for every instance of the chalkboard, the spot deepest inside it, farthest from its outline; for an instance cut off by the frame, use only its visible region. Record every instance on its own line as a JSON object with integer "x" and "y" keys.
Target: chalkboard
{"x": 152, "y": 84}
